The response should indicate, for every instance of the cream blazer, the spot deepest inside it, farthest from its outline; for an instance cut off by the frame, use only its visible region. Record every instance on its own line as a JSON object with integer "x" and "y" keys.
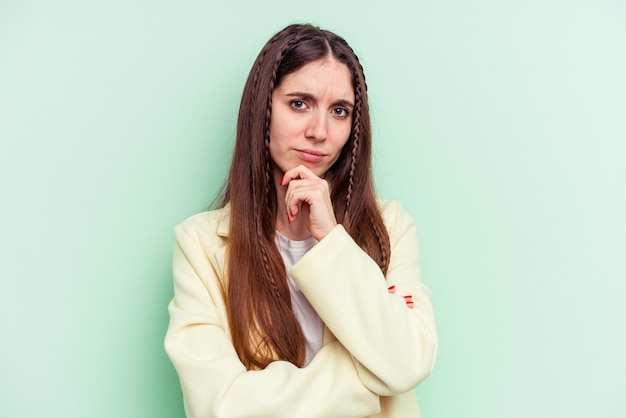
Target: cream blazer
{"x": 376, "y": 350}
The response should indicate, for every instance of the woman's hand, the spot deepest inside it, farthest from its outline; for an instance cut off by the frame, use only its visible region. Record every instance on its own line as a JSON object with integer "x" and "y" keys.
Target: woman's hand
{"x": 408, "y": 299}
{"x": 308, "y": 197}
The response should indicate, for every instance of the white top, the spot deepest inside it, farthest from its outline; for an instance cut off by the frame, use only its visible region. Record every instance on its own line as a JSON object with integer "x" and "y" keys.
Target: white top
{"x": 310, "y": 322}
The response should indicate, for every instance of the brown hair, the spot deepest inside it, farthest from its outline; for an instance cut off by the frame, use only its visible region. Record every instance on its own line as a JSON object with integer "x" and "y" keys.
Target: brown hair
{"x": 262, "y": 323}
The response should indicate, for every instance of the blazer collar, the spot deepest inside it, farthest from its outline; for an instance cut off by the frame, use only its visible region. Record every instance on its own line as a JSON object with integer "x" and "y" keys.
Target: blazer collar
{"x": 223, "y": 227}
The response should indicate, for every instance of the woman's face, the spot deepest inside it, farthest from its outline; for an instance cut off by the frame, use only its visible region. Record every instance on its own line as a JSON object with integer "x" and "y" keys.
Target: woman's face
{"x": 311, "y": 116}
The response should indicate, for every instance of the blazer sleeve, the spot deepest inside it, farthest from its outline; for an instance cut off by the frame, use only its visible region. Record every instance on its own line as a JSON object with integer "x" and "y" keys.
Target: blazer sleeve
{"x": 394, "y": 347}
{"x": 216, "y": 384}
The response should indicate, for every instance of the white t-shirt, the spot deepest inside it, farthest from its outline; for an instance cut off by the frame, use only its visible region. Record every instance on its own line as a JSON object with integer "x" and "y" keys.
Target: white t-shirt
{"x": 310, "y": 322}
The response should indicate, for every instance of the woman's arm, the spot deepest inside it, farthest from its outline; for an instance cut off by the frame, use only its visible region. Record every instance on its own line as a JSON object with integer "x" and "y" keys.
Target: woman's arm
{"x": 216, "y": 384}
{"x": 394, "y": 346}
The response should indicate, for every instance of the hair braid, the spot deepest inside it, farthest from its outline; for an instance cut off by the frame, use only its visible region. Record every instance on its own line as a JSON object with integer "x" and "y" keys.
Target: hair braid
{"x": 260, "y": 59}
{"x": 267, "y": 166}
{"x": 356, "y": 135}
{"x": 266, "y": 264}
{"x": 260, "y": 236}
{"x": 268, "y": 113}
{"x": 259, "y": 63}
{"x": 382, "y": 238}
{"x": 265, "y": 198}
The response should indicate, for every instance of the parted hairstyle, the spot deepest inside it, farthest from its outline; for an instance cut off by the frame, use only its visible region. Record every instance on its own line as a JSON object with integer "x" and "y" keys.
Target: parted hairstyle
{"x": 262, "y": 322}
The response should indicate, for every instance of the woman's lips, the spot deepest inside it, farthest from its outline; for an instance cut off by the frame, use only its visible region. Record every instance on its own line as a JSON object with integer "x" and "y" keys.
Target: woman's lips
{"x": 310, "y": 156}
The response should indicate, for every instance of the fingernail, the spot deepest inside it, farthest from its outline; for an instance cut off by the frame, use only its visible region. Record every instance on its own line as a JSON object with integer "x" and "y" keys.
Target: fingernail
{"x": 391, "y": 289}
{"x": 408, "y": 297}
{"x": 288, "y": 219}
{"x": 410, "y": 305}
{"x": 282, "y": 181}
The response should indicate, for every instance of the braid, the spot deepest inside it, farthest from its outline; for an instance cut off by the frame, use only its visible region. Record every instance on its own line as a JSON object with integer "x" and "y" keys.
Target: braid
{"x": 266, "y": 264}
{"x": 259, "y": 64}
{"x": 279, "y": 58}
{"x": 265, "y": 197}
{"x": 361, "y": 71}
{"x": 266, "y": 147}
{"x": 356, "y": 134}
{"x": 268, "y": 112}
{"x": 267, "y": 166}
{"x": 260, "y": 59}
{"x": 360, "y": 88}
{"x": 383, "y": 243}
{"x": 261, "y": 236}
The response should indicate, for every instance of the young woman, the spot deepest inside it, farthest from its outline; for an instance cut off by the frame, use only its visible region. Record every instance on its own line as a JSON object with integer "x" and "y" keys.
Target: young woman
{"x": 300, "y": 296}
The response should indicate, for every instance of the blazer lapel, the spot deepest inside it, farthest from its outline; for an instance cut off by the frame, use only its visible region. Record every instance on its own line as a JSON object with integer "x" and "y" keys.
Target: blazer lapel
{"x": 223, "y": 231}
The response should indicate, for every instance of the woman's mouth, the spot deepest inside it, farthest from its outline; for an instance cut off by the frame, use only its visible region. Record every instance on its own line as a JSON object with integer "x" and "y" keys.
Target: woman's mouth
{"x": 311, "y": 156}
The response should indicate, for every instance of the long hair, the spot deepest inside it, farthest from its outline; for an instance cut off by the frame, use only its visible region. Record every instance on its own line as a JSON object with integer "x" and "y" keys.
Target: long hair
{"x": 262, "y": 322}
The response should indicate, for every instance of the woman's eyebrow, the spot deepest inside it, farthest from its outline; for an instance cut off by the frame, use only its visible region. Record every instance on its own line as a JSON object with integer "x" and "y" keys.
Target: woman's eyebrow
{"x": 344, "y": 103}
{"x": 309, "y": 96}
{"x": 300, "y": 95}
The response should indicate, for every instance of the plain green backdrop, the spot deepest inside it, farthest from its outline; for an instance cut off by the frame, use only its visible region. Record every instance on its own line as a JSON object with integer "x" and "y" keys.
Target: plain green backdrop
{"x": 500, "y": 125}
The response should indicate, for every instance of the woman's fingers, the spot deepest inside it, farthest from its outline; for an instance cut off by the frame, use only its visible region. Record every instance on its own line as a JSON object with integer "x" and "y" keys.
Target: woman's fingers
{"x": 310, "y": 199}
{"x": 408, "y": 299}
{"x": 308, "y": 196}
{"x": 311, "y": 192}
{"x": 292, "y": 202}
{"x": 298, "y": 172}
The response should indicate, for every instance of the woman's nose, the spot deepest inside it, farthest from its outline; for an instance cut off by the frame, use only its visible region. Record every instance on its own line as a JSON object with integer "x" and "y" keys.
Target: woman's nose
{"x": 317, "y": 128}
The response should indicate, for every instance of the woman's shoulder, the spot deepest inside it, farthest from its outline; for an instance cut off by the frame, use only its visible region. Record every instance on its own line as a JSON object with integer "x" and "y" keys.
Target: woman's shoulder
{"x": 213, "y": 222}
{"x": 395, "y": 216}
{"x": 390, "y": 208}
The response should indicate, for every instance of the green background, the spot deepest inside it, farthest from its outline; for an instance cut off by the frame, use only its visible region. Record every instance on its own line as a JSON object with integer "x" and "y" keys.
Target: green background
{"x": 500, "y": 125}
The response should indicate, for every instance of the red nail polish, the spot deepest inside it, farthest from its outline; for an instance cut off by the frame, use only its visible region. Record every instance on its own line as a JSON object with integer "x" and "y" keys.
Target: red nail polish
{"x": 408, "y": 298}
{"x": 288, "y": 219}
{"x": 392, "y": 287}
{"x": 410, "y": 305}
{"x": 282, "y": 181}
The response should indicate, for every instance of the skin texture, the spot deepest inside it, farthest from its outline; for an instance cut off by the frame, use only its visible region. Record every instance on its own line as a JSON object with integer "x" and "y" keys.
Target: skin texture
{"x": 310, "y": 124}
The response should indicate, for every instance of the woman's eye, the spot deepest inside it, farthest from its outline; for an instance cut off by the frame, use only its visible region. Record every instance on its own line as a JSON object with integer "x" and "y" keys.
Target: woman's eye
{"x": 341, "y": 112}
{"x": 298, "y": 104}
